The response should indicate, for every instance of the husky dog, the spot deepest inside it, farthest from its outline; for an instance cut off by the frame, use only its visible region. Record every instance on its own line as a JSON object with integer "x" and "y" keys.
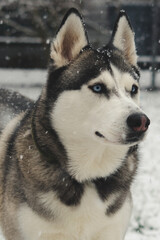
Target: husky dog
{"x": 68, "y": 162}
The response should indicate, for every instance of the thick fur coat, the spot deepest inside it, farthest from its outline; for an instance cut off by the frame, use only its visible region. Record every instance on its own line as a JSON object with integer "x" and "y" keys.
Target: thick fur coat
{"x": 67, "y": 163}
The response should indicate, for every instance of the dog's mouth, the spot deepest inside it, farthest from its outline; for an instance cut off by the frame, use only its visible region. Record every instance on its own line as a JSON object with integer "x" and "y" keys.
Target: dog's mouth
{"x": 135, "y": 137}
{"x": 130, "y": 139}
{"x": 100, "y": 135}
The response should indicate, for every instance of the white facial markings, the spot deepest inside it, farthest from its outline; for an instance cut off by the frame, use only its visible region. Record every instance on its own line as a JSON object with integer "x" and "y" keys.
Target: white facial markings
{"x": 124, "y": 82}
{"x": 79, "y": 114}
{"x": 76, "y": 117}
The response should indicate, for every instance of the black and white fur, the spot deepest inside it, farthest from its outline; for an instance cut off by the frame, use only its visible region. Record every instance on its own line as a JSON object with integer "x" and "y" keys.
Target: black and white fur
{"x": 67, "y": 163}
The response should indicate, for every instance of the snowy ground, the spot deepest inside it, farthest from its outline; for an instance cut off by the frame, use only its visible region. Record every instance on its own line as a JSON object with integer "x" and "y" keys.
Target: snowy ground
{"x": 145, "y": 222}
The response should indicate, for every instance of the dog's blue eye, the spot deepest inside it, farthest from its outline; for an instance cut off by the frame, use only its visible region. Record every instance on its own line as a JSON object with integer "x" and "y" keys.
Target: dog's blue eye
{"x": 134, "y": 89}
{"x": 100, "y": 88}
{"x": 97, "y": 88}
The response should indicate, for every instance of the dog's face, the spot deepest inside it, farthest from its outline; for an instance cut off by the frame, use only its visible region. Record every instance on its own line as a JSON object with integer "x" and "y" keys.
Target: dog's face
{"x": 95, "y": 93}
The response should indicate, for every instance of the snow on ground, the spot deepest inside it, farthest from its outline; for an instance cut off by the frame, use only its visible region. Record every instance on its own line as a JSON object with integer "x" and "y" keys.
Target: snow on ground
{"x": 145, "y": 222}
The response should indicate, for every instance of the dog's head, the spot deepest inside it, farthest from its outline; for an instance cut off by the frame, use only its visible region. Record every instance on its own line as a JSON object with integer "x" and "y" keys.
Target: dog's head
{"x": 95, "y": 92}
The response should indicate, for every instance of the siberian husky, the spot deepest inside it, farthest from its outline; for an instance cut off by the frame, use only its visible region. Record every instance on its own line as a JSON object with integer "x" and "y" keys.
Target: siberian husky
{"x": 67, "y": 163}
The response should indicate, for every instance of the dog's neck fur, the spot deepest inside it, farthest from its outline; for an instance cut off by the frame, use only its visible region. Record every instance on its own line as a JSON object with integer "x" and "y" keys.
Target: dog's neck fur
{"x": 45, "y": 138}
{"x": 91, "y": 160}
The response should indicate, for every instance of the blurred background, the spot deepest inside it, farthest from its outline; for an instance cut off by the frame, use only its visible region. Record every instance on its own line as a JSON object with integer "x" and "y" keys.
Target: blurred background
{"x": 26, "y": 29}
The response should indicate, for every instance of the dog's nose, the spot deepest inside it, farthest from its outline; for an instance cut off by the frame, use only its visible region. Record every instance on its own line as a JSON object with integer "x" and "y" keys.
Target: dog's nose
{"x": 138, "y": 122}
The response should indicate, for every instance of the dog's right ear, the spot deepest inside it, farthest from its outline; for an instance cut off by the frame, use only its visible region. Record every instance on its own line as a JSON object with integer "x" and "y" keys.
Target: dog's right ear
{"x": 70, "y": 39}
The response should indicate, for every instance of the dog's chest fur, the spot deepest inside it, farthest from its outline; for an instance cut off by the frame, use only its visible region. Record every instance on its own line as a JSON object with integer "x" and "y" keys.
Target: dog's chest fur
{"x": 79, "y": 222}
{"x": 69, "y": 209}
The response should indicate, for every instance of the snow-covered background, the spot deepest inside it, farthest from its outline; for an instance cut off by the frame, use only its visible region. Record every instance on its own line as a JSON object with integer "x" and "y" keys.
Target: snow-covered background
{"x": 145, "y": 222}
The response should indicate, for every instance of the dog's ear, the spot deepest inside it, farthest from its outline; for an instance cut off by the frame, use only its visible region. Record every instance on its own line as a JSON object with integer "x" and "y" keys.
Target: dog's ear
{"x": 123, "y": 38}
{"x": 70, "y": 39}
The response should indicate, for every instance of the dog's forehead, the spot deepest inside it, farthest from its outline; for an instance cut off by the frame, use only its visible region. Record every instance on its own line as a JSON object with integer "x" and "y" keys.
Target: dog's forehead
{"x": 104, "y": 77}
{"x": 108, "y": 58}
{"x": 93, "y": 62}
{"x": 88, "y": 66}
{"x": 108, "y": 66}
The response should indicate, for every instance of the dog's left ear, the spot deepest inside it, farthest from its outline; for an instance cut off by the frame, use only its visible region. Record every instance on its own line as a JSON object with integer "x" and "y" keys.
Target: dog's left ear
{"x": 70, "y": 39}
{"x": 123, "y": 38}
